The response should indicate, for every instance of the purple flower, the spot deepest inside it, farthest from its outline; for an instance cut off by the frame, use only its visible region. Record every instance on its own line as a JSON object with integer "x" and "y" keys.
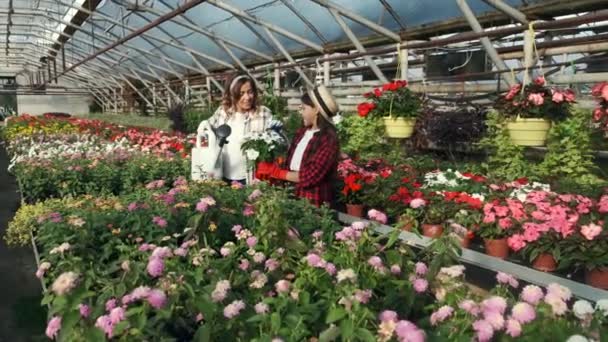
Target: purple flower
{"x": 523, "y": 312}
{"x": 53, "y": 327}
{"x": 85, "y": 310}
{"x": 330, "y": 268}
{"x": 421, "y": 268}
{"x": 314, "y": 260}
{"x": 420, "y": 285}
{"x": 157, "y": 298}
{"x": 161, "y": 252}
{"x": 155, "y": 267}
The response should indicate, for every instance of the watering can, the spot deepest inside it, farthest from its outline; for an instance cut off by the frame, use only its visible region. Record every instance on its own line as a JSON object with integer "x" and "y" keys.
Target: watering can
{"x": 207, "y": 160}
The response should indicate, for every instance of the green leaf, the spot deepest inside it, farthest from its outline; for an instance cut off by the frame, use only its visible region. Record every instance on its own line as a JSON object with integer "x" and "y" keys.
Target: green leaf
{"x": 275, "y": 321}
{"x": 203, "y": 334}
{"x": 120, "y": 328}
{"x": 67, "y": 325}
{"x": 365, "y": 335}
{"x": 347, "y": 329}
{"x": 94, "y": 334}
{"x": 335, "y": 314}
{"x": 329, "y": 334}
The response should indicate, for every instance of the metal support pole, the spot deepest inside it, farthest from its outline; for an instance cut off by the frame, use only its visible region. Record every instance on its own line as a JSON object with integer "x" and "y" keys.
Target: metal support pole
{"x": 508, "y": 10}
{"x": 326, "y": 73}
{"x": 277, "y": 80}
{"x": 403, "y": 61}
{"x": 485, "y": 41}
{"x": 528, "y": 55}
{"x": 289, "y": 58}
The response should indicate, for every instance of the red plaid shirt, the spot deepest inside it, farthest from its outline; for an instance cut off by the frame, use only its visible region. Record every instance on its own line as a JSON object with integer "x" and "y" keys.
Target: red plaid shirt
{"x": 318, "y": 168}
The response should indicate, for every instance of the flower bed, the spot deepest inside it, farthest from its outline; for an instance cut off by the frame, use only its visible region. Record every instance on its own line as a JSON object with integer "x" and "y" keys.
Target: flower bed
{"x": 168, "y": 259}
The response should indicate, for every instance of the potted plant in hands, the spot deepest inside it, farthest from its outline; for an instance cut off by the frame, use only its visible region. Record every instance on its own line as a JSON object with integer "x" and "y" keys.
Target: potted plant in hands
{"x": 532, "y": 108}
{"x": 262, "y": 149}
{"x": 397, "y": 105}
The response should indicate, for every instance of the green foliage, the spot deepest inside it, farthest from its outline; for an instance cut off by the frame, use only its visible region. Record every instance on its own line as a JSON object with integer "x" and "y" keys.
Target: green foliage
{"x": 193, "y": 117}
{"x": 362, "y": 136}
{"x": 506, "y": 160}
{"x": 569, "y": 152}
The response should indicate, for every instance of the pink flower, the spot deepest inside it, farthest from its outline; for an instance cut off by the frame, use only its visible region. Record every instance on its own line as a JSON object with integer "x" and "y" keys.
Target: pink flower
{"x": 44, "y": 266}
{"x": 540, "y": 80}
{"x": 377, "y": 215}
{"x": 375, "y": 262}
{"x": 505, "y": 278}
{"x": 516, "y": 242}
{"x": 317, "y": 234}
{"x": 560, "y": 291}
{"x": 417, "y": 203}
{"x": 282, "y": 286}
{"x": 85, "y": 310}
{"x": 523, "y": 312}
{"x": 199, "y": 317}
{"x": 363, "y": 296}
{"x": 261, "y": 308}
{"x": 558, "y": 305}
{"x": 254, "y": 195}
{"x": 496, "y": 319}
{"x": 233, "y": 309}
{"x": 155, "y": 267}
{"x": 271, "y": 264}
{"x": 105, "y": 324}
{"x": 64, "y": 283}
{"x": 248, "y": 211}
{"x": 483, "y": 330}
{"x": 117, "y": 315}
{"x": 505, "y": 223}
{"x": 536, "y": 98}
{"x": 202, "y": 207}
{"x": 441, "y": 314}
{"x": 110, "y": 304}
{"x": 330, "y": 268}
{"x": 513, "y": 91}
{"x": 252, "y": 241}
{"x": 395, "y": 269}
{"x": 237, "y": 228}
{"x": 532, "y": 294}
{"x": 53, "y": 327}
{"x": 140, "y": 292}
{"x": 388, "y": 315}
{"x": 558, "y": 97}
{"x": 590, "y": 231}
{"x": 132, "y": 206}
{"x": 420, "y": 285}
{"x": 407, "y": 331}
{"x": 494, "y": 304}
{"x": 469, "y": 306}
{"x": 513, "y": 328}
{"x": 180, "y": 252}
{"x": 314, "y": 260}
{"x": 159, "y": 221}
{"x": 157, "y": 298}
{"x": 421, "y": 268}
{"x": 244, "y": 264}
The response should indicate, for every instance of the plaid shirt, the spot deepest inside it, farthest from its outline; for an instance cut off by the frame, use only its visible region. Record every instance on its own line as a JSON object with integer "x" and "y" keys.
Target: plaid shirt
{"x": 254, "y": 122}
{"x": 319, "y": 167}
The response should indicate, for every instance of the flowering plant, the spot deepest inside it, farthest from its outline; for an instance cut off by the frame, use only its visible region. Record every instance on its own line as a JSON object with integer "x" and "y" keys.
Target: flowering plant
{"x": 600, "y": 113}
{"x": 393, "y": 99}
{"x": 536, "y": 100}
{"x": 501, "y": 217}
{"x": 264, "y": 146}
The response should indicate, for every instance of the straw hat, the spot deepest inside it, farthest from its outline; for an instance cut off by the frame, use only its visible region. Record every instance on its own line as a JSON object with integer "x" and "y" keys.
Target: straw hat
{"x": 324, "y": 100}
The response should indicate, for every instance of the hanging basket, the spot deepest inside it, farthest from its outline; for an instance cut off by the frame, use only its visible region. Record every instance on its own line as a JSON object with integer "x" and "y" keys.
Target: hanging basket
{"x": 529, "y": 132}
{"x": 400, "y": 128}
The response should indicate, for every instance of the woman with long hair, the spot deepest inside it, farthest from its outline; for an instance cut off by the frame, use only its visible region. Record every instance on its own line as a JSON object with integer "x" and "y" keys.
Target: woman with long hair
{"x": 240, "y": 109}
{"x": 312, "y": 158}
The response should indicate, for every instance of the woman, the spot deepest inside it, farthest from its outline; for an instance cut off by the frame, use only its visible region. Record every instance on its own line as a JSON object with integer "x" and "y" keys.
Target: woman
{"x": 241, "y": 111}
{"x": 312, "y": 158}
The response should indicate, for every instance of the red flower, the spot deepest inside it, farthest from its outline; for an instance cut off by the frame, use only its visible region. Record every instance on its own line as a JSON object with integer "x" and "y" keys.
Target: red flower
{"x": 540, "y": 80}
{"x": 401, "y": 83}
{"x": 474, "y": 177}
{"x": 597, "y": 90}
{"x": 390, "y": 86}
{"x": 377, "y": 92}
{"x": 598, "y": 113}
{"x": 522, "y": 180}
{"x": 364, "y": 108}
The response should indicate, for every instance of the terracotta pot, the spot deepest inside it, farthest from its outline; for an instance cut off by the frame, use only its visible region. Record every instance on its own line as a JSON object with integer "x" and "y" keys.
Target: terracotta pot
{"x": 497, "y": 248}
{"x": 432, "y": 230}
{"x": 354, "y": 210}
{"x": 406, "y": 225}
{"x": 597, "y": 277}
{"x": 545, "y": 262}
{"x": 465, "y": 241}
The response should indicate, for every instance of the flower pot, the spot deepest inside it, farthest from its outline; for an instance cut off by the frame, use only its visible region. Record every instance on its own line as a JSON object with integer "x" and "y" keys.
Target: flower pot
{"x": 597, "y": 277}
{"x": 465, "y": 241}
{"x": 497, "y": 248}
{"x": 529, "y": 132}
{"x": 545, "y": 262}
{"x": 432, "y": 230}
{"x": 354, "y": 210}
{"x": 398, "y": 127}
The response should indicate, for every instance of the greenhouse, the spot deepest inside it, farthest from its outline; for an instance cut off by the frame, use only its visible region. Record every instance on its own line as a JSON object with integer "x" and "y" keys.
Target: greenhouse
{"x": 304, "y": 170}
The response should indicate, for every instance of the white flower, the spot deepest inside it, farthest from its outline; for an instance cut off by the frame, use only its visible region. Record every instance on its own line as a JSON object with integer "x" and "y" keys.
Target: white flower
{"x": 577, "y": 338}
{"x": 452, "y": 271}
{"x": 252, "y": 154}
{"x": 61, "y": 248}
{"x": 582, "y": 309}
{"x": 602, "y": 304}
{"x": 347, "y": 274}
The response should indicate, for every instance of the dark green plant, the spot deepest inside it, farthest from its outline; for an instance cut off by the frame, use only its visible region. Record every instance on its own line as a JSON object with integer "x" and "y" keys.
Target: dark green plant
{"x": 192, "y": 117}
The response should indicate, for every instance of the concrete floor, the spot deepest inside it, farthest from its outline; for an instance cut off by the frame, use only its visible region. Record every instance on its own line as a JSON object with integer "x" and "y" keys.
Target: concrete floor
{"x": 22, "y": 319}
